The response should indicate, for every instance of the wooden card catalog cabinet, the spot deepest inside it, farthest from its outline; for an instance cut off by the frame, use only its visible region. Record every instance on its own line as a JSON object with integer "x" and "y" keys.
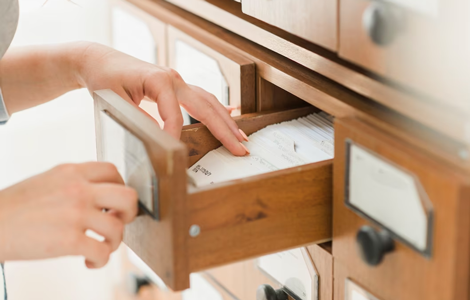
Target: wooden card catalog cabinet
{"x": 401, "y": 226}
{"x": 313, "y": 20}
{"x": 422, "y": 45}
{"x": 186, "y": 229}
{"x": 223, "y": 72}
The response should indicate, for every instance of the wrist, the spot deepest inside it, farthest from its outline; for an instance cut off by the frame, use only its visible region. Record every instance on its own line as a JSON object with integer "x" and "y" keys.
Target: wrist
{"x": 87, "y": 60}
{"x": 78, "y": 63}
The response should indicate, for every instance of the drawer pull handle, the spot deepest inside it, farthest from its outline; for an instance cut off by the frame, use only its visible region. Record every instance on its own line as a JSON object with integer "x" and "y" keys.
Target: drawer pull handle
{"x": 382, "y": 22}
{"x": 373, "y": 245}
{"x": 134, "y": 283}
{"x": 267, "y": 292}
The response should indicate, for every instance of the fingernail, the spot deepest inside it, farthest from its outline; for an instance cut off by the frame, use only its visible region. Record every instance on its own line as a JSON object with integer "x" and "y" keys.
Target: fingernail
{"x": 243, "y": 135}
{"x": 246, "y": 149}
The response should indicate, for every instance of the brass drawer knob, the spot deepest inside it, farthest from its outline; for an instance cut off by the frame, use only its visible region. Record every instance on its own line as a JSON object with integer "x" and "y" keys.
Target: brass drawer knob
{"x": 267, "y": 292}
{"x": 373, "y": 245}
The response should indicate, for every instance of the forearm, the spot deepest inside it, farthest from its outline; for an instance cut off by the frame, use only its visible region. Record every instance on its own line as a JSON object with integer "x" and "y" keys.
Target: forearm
{"x": 33, "y": 75}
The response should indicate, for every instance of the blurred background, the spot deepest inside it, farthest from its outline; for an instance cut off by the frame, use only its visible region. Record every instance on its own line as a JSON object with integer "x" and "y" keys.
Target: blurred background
{"x": 61, "y": 131}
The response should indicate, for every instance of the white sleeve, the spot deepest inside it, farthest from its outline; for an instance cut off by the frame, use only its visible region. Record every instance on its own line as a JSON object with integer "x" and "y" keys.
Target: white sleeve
{"x": 4, "y": 116}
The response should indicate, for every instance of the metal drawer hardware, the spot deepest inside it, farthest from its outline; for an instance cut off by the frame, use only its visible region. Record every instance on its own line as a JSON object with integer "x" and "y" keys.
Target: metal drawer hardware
{"x": 267, "y": 292}
{"x": 373, "y": 245}
{"x": 382, "y": 22}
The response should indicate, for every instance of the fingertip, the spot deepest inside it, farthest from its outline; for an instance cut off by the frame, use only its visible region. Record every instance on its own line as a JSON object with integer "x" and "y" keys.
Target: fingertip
{"x": 238, "y": 149}
{"x": 245, "y": 137}
{"x": 89, "y": 264}
{"x": 246, "y": 149}
{"x": 230, "y": 109}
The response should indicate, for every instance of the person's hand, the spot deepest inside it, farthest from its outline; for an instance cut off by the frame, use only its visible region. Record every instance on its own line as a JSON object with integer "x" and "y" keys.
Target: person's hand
{"x": 47, "y": 215}
{"x": 104, "y": 68}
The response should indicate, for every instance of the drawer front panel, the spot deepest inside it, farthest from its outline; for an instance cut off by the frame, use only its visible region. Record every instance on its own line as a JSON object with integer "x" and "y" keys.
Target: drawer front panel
{"x": 404, "y": 273}
{"x": 226, "y": 74}
{"x": 423, "y": 47}
{"x": 244, "y": 278}
{"x": 313, "y": 20}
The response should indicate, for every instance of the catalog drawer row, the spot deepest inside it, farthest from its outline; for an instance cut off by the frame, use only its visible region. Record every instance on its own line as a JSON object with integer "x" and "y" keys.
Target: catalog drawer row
{"x": 393, "y": 202}
{"x": 411, "y": 56}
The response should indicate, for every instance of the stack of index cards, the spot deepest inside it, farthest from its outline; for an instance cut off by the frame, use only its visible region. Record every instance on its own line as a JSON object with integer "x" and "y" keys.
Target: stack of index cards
{"x": 288, "y": 144}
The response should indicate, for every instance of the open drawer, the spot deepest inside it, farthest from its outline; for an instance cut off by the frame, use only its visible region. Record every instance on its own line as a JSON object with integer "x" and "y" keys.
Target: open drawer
{"x": 199, "y": 228}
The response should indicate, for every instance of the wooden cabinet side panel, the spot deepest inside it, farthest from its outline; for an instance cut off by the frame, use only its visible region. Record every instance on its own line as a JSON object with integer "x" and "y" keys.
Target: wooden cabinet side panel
{"x": 323, "y": 262}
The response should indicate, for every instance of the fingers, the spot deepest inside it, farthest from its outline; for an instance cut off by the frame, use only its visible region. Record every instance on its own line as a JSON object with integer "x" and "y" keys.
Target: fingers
{"x": 216, "y": 118}
{"x": 221, "y": 110}
{"x": 96, "y": 253}
{"x": 100, "y": 172}
{"x": 219, "y": 128}
{"x": 230, "y": 109}
{"x": 120, "y": 199}
{"x": 109, "y": 227}
{"x": 162, "y": 92}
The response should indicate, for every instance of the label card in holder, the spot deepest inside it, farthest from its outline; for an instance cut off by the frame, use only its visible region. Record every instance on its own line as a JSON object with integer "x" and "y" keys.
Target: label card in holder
{"x": 354, "y": 292}
{"x": 199, "y": 69}
{"x": 294, "y": 270}
{"x": 123, "y": 149}
{"x": 200, "y": 289}
{"x": 390, "y": 196}
{"x": 132, "y": 36}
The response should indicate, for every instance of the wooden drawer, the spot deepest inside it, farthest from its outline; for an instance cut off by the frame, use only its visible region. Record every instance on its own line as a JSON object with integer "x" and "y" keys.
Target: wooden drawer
{"x": 138, "y": 33}
{"x": 224, "y": 72}
{"x": 243, "y": 279}
{"x": 313, "y": 20}
{"x": 202, "y": 287}
{"x": 413, "y": 198}
{"x": 229, "y": 221}
{"x": 426, "y": 49}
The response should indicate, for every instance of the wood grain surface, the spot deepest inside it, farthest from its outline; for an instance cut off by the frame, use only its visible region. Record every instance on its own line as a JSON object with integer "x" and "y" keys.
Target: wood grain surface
{"x": 160, "y": 244}
{"x": 404, "y": 273}
{"x": 415, "y": 117}
{"x": 323, "y": 261}
{"x": 420, "y": 105}
{"x": 271, "y": 97}
{"x": 239, "y": 219}
{"x": 429, "y": 52}
{"x": 315, "y": 21}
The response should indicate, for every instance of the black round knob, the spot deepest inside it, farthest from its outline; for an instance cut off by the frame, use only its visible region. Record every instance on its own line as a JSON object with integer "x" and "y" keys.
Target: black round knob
{"x": 134, "y": 283}
{"x": 382, "y": 22}
{"x": 373, "y": 245}
{"x": 267, "y": 292}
